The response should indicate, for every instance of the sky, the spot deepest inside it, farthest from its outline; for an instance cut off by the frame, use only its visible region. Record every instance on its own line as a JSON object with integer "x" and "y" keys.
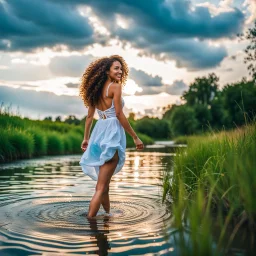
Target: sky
{"x": 45, "y": 46}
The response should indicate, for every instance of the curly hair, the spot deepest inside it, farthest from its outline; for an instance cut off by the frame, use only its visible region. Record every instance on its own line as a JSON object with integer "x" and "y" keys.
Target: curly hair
{"x": 94, "y": 78}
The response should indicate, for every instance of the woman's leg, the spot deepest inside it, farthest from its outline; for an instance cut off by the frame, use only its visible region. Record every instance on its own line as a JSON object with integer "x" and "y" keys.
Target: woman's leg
{"x": 105, "y": 201}
{"x": 105, "y": 174}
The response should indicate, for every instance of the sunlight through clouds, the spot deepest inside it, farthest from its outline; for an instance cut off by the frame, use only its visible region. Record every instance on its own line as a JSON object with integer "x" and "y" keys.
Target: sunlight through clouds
{"x": 166, "y": 47}
{"x": 131, "y": 87}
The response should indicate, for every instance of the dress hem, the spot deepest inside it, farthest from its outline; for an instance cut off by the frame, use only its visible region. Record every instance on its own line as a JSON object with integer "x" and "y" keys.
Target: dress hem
{"x": 119, "y": 166}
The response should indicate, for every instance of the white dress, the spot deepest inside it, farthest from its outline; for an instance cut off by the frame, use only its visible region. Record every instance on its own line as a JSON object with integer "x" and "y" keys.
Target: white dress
{"x": 108, "y": 135}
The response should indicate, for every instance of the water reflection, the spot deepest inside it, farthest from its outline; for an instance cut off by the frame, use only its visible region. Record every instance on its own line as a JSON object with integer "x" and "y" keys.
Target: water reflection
{"x": 49, "y": 197}
{"x": 101, "y": 237}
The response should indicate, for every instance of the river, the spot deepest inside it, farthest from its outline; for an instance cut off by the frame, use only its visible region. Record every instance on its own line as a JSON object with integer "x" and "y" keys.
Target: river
{"x": 43, "y": 201}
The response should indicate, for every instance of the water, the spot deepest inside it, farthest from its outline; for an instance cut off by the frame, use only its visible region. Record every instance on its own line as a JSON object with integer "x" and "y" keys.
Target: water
{"x": 43, "y": 202}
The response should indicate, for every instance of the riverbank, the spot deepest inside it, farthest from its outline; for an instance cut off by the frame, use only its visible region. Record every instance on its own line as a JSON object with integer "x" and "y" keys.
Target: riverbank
{"x": 212, "y": 187}
{"x": 22, "y": 138}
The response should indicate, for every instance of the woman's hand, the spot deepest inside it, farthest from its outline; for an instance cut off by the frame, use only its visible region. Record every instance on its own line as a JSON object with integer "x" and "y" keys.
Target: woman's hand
{"x": 139, "y": 144}
{"x": 84, "y": 144}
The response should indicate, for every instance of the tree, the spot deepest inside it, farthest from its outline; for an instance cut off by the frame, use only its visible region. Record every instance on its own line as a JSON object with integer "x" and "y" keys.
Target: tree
{"x": 168, "y": 113}
{"x": 203, "y": 115}
{"x": 71, "y": 119}
{"x": 219, "y": 114}
{"x": 183, "y": 121}
{"x": 58, "y": 119}
{"x": 153, "y": 127}
{"x": 202, "y": 91}
{"x": 239, "y": 100}
{"x": 250, "y": 50}
{"x": 48, "y": 118}
{"x": 131, "y": 116}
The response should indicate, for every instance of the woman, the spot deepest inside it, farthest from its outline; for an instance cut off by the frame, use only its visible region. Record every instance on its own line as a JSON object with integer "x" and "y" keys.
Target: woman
{"x": 104, "y": 156}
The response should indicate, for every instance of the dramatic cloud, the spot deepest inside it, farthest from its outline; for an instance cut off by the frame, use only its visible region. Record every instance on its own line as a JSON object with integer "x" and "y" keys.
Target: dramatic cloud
{"x": 143, "y": 79}
{"x": 32, "y": 102}
{"x": 177, "y": 88}
{"x": 165, "y": 30}
{"x": 26, "y": 25}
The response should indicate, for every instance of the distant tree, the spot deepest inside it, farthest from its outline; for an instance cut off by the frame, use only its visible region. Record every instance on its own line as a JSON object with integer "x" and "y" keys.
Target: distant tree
{"x": 250, "y": 50}
{"x": 131, "y": 116}
{"x": 153, "y": 127}
{"x": 58, "y": 119}
{"x": 239, "y": 100}
{"x": 166, "y": 108}
{"x": 183, "y": 121}
{"x": 203, "y": 116}
{"x": 219, "y": 114}
{"x": 202, "y": 91}
{"x": 71, "y": 119}
{"x": 168, "y": 112}
{"x": 49, "y": 118}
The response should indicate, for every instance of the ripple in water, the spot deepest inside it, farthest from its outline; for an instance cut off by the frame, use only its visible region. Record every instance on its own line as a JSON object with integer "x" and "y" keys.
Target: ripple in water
{"x": 36, "y": 219}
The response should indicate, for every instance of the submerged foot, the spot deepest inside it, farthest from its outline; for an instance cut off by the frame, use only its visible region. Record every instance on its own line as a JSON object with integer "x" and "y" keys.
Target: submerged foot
{"x": 108, "y": 214}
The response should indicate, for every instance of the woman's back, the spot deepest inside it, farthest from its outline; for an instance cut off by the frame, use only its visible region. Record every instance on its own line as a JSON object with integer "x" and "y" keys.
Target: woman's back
{"x": 109, "y": 111}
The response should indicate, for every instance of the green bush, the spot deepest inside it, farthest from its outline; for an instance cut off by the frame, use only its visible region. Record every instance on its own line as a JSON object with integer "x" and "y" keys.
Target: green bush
{"x": 40, "y": 140}
{"x": 144, "y": 138}
{"x": 55, "y": 143}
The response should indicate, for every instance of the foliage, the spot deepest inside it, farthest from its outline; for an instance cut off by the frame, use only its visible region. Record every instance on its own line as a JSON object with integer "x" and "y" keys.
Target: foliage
{"x": 24, "y": 138}
{"x": 234, "y": 105}
{"x": 145, "y": 139}
{"x": 239, "y": 99}
{"x": 213, "y": 185}
{"x": 250, "y": 50}
{"x": 183, "y": 121}
{"x": 153, "y": 127}
{"x": 202, "y": 91}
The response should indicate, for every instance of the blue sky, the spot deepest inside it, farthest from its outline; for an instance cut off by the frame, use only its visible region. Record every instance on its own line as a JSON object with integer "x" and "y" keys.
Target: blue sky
{"x": 46, "y": 45}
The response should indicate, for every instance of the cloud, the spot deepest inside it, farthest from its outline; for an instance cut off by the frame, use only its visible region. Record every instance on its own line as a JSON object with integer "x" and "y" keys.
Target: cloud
{"x": 21, "y": 71}
{"x": 70, "y": 66}
{"x": 143, "y": 79}
{"x": 150, "y": 90}
{"x": 33, "y": 103}
{"x": 177, "y": 88}
{"x": 164, "y": 30}
{"x": 173, "y": 17}
{"x": 189, "y": 53}
{"x": 167, "y": 29}
{"x": 72, "y": 85}
{"x": 27, "y": 25}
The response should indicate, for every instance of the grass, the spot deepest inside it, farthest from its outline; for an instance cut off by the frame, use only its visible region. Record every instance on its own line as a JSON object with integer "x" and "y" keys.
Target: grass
{"x": 145, "y": 139}
{"x": 212, "y": 187}
{"x": 22, "y": 138}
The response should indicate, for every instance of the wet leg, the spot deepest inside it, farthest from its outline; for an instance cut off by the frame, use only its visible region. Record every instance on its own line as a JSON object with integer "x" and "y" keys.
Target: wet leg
{"x": 105, "y": 174}
{"x": 105, "y": 201}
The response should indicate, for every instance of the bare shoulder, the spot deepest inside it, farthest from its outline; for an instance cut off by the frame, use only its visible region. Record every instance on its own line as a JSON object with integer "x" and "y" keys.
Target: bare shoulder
{"x": 117, "y": 88}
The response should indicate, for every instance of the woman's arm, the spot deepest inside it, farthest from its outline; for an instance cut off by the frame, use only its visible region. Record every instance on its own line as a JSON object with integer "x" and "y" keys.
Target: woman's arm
{"x": 88, "y": 122}
{"x": 119, "y": 111}
{"x": 122, "y": 118}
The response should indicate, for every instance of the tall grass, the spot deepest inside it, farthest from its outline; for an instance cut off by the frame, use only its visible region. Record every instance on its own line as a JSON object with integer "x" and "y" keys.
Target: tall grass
{"x": 146, "y": 140}
{"x": 24, "y": 138}
{"x": 213, "y": 186}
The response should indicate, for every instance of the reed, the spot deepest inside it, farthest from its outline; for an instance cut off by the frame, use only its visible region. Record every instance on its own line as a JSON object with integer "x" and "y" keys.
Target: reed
{"x": 212, "y": 187}
{"x": 24, "y": 138}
